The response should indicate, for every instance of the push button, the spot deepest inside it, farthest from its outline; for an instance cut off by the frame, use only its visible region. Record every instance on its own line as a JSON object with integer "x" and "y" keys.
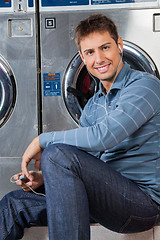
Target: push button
{"x": 50, "y": 23}
{"x": 156, "y": 22}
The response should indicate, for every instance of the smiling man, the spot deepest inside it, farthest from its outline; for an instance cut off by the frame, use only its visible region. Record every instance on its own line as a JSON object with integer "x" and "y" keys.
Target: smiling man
{"x": 103, "y": 59}
{"x": 108, "y": 168}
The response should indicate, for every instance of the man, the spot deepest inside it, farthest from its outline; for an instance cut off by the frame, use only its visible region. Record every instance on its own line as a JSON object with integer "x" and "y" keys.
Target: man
{"x": 108, "y": 168}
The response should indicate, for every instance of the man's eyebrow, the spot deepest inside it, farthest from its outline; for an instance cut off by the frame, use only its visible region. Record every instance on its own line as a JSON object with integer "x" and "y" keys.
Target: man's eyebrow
{"x": 101, "y": 46}
{"x": 105, "y": 44}
{"x": 90, "y": 49}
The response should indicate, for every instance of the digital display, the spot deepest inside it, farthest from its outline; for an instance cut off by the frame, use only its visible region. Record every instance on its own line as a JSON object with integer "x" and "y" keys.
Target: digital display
{"x": 54, "y": 3}
{"x": 5, "y": 3}
{"x": 30, "y": 3}
{"x": 99, "y": 2}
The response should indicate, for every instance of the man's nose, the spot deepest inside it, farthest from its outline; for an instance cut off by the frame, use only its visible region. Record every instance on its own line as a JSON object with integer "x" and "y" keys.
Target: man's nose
{"x": 99, "y": 57}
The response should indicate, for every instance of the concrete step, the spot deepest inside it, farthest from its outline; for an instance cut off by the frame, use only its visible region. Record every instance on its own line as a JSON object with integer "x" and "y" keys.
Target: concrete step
{"x": 97, "y": 233}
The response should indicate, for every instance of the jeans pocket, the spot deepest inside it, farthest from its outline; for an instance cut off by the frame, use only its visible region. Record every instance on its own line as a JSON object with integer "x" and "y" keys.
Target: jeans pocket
{"x": 138, "y": 224}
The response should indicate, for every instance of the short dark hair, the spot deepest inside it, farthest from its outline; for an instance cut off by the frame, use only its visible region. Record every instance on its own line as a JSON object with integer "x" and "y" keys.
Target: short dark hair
{"x": 95, "y": 23}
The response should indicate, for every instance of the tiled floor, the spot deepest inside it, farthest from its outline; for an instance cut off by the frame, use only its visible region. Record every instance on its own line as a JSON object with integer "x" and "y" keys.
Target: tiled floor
{"x": 97, "y": 233}
{"x": 156, "y": 233}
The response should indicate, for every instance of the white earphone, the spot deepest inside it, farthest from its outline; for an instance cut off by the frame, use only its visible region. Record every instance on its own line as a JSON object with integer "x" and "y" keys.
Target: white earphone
{"x": 84, "y": 62}
{"x": 120, "y": 49}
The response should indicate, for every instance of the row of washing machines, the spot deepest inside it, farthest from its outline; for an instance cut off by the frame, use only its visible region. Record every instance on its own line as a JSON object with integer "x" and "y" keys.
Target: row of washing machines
{"x": 43, "y": 83}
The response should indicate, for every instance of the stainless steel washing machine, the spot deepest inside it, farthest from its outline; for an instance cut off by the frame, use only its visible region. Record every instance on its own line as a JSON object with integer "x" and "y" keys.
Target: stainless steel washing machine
{"x": 18, "y": 86}
{"x": 66, "y": 86}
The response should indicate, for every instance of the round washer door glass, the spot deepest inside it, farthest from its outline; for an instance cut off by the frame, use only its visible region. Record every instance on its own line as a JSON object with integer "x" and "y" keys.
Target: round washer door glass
{"x": 7, "y": 91}
{"x": 79, "y": 86}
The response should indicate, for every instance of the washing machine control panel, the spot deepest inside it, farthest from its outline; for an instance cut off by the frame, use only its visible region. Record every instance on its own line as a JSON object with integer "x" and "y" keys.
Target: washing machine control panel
{"x": 47, "y": 3}
{"x": 64, "y": 5}
{"x": 17, "y": 6}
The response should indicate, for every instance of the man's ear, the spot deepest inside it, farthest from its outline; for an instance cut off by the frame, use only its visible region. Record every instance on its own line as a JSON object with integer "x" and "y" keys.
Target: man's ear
{"x": 120, "y": 44}
{"x": 82, "y": 57}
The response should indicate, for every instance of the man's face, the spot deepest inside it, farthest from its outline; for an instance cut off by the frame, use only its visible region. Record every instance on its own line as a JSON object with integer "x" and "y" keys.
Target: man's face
{"x": 102, "y": 55}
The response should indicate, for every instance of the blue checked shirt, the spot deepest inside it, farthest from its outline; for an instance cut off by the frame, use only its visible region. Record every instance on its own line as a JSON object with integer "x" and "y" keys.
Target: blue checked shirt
{"x": 122, "y": 128}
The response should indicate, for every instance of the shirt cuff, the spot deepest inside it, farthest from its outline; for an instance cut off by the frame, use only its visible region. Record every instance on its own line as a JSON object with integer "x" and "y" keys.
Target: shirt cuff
{"x": 45, "y": 139}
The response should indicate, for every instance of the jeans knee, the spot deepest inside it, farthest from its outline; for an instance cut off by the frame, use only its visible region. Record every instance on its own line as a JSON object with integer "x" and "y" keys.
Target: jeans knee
{"x": 60, "y": 154}
{"x": 4, "y": 201}
{"x": 10, "y": 200}
{"x": 50, "y": 154}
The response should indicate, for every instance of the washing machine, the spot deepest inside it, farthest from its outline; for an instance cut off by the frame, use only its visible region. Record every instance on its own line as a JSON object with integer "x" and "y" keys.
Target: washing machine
{"x": 18, "y": 86}
{"x": 66, "y": 85}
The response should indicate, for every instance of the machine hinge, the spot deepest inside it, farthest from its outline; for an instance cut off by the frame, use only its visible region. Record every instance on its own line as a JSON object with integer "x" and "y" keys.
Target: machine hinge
{"x": 20, "y": 5}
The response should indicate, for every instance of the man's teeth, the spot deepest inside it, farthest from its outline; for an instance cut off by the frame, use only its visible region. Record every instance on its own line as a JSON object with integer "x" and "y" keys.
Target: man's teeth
{"x": 102, "y": 68}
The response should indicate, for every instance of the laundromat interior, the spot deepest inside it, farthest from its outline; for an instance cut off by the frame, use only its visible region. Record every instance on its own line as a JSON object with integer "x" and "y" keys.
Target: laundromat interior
{"x": 42, "y": 77}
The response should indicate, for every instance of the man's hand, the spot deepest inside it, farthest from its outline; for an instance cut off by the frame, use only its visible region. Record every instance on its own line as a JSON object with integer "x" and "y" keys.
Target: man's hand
{"x": 37, "y": 180}
{"x": 33, "y": 151}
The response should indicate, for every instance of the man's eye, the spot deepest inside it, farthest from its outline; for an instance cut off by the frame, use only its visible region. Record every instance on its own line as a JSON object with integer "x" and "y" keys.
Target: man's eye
{"x": 89, "y": 52}
{"x": 105, "y": 47}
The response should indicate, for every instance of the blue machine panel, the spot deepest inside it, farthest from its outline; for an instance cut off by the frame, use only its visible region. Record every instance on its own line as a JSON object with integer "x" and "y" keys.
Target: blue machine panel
{"x": 30, "y": 3}
{"x": 5, "y": 3}
{"x": 53, "y": 3}
{"x": 99, "y": 2}
{"x": 51, "y": 84}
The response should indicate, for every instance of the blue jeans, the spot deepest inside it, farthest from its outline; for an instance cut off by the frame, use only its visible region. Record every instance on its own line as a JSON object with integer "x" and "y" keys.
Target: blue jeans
{"x": 77, "y": 186}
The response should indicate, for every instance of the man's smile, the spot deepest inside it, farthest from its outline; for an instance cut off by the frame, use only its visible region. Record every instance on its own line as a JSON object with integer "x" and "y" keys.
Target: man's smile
{"x": 102, "y": 69}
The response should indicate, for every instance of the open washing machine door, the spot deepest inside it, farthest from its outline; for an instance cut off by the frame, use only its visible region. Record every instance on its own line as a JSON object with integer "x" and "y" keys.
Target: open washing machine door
{"x": 7, "y": 91}
{"x": 79, "y": 86}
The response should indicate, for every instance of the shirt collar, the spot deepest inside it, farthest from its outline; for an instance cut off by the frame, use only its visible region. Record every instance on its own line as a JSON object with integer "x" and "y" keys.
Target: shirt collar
{"x": 119, "y": 81}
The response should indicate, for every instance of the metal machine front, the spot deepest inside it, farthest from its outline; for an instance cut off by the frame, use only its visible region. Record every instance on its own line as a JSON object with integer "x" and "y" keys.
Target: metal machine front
{"x": 18, "y": 86}
{"x": 66, "y": 86}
